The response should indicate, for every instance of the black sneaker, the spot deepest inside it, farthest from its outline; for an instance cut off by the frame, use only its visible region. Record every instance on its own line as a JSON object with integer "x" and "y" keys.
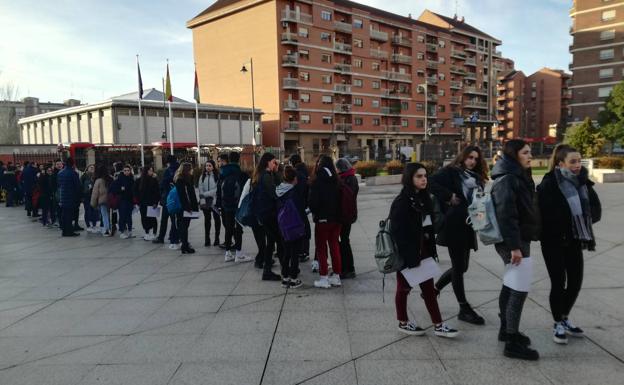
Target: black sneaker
{"x": 559, "y": 333}
{"x": 572, "y": 330}
{"x": 271, "y": 276}
{"x": 516, "y": 349}
{"x": 443, "y": 330}
{"x": 295, "y": 283}
{"x": 348, "y": 275}
{"x": 285, "y": 283}
{"x": 222, "y": 246}
{"x": 158, "y": 240}
{"x": 467, "y": 314}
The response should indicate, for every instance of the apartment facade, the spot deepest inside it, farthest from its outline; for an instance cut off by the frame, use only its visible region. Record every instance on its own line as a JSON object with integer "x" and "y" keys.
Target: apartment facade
{"x": 534, "y": 106}
{"x": 597, "y": 54}
{"x": 338, "y": 73}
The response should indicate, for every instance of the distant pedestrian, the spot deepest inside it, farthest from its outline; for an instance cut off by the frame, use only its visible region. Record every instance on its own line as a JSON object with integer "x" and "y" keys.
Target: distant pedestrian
{"x": 147, "y": 194}
{"x": 207, "y": 184}
{"x": 99, "y": 198}
{"x": 69, "y": 197}
{"x": 87, "y": 180}
{"x": 350, "y": 182}
{"x": 183, "y": 181}
{"x": 123, "y": 186}
{"x": 165, "y": 186}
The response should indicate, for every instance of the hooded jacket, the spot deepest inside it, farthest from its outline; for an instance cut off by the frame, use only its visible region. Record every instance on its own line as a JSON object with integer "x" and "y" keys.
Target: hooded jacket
{"x": 324, "y": 199}
{"x": 167, "y": 181}
{"x": 513, "y": 193}
{"x": 69, "y": 187}
{"x": 230, "y": 186}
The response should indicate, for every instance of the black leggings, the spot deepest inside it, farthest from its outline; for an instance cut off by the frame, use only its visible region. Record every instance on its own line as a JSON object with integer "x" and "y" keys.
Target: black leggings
{"x": 148, "y": 223}
{"x": 455, "y": 275}
{"x": 208, "y": 223}
{"x": 565, "y": 268}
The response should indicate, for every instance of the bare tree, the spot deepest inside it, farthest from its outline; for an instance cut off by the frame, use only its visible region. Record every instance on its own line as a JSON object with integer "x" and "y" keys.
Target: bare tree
{"x": 9, "y": 92}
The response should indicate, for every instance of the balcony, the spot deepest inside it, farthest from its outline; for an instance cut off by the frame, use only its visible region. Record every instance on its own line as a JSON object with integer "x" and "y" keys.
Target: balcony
{"x": 343, "y": 68}
{"x": 500, "y": 118}
{"x": 292, "y": 126}
{"x": 391, "y": 127}
{"x": 342, "y": 47}
{"x": 392, "y": 75}
{"x": 378, "y": 35}
{"x": 497, "y": 53}
{"x": 342, "y": 88}
{"x": 458, "y": 54}
{"x": 475, "y": 104}
{"x": 343, "y": 127}
{"x": 396, "y": 110}
{"x": 455, "y": 84}
{"x": 455, "y": 100}
{"x": 432, "y": 47}
{"x": 432, "y": 65}
{"x": 471, "y": 48}
{"x": 474, "y": 90}
{"x": 379, "y": 54}
{"x": 400, "y": 40}
{"x": 566, "y": 95}
{"x": 471, "y": 61}
{"x": 296, "y": 16}
{"x": 432, "y": 97}
{"x": 400, "y": 58}
{"x": 391, "y": 93}
{"x": 341, "y": 26}
{"x": 500, "y": 107}
{"x": 342, "y": 108}
{"x": 432, "y": 80}
{"x": 289, "y": 37}
{"x": 470, "y": 75}
{"x": 290, "y": 83}
{"x": 290, "y": 60}
{"x": 457, "y": 70}
{"x": 290, "y": 105}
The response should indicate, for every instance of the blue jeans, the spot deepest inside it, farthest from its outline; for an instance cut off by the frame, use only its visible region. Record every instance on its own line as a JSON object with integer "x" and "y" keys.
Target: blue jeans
{"x": 125, "y": 215}
{"x": 105, "y": 220}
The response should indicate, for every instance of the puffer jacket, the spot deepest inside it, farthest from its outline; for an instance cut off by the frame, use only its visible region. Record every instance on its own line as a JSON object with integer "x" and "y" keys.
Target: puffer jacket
{"x": 208, "y": 187}
{"x": 324, "y": 199}
{"x": 99, "y": 193}
{"x": 69, "y": 187}
{"x": 515, "y": 200}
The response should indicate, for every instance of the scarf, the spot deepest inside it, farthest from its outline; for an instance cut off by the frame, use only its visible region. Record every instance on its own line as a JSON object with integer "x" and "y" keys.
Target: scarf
{"x": 469, "y": 184}
{"x": 577, "y": 196}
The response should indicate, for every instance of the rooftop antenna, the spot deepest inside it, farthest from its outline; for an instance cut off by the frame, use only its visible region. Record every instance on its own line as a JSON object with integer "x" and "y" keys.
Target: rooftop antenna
{"x": 457, "y": 7}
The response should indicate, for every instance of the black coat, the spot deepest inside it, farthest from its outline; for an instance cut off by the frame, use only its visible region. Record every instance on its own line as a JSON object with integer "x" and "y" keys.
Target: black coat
{"x": 124, "y": 187}
{"x": 302, "y": 187}
{"x": 555, "y": 211}
{"x": 186, "y": 192}
{"x": 147, "y": 192}
{"x": 324, "y": 199}
{"x": 453, "y": 231}
{"x": 515, "y": 200}
{"x": 406, "y": 217}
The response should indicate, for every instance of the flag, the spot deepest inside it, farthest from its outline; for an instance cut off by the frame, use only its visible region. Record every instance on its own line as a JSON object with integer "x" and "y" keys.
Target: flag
{"x": 168, "y": 94}
{"x": 140, "y": 80}
{"x": 196, "y": 87}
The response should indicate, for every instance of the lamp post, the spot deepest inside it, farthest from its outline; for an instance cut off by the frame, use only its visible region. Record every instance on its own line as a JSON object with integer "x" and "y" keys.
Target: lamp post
{"x": 424, "y": 85}
{"x": 253, "y": 105}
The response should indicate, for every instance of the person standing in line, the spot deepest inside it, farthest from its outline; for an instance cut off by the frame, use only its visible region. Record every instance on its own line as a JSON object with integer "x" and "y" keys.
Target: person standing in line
{"x": 222, "y": 161}
{"x": 348, "y": 178}
{"x": 454, "y": 186}
{"x": 165, "y": 186}
{"x": 303, "y": 191}
{"x": 287, "y": 195}
{"x": 117, "y": 170}
{"x": 9, "y": 182}
{"x": 411, "y": 216}
{"x": 124, "y": 187}
{"x": 569, "y": 206}
{"x": 325, "y": 206}
{"x": 45, "y": 200}
{"x": 56, "y": 207}
{"x": 99, "y": 197}
{"x": 28, "y": 183}
{"x": 183, "y": 181}
{"x": 2, "y": 190}
{"x": 208, "y": 197}
{"x": 90, "y": 214}
{"x": 513, "y": 194}
{"x": 147, "y": 193}
{"x": 69, "y": 196}
{"x": 231, "y": 183}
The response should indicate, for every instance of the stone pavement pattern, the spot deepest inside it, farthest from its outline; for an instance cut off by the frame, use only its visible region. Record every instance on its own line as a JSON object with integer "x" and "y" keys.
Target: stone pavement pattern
{"x": 95, "y": 310}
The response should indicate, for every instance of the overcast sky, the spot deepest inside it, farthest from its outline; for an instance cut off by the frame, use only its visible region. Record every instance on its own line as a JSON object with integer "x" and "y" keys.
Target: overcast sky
{"x": 85, "y": 49}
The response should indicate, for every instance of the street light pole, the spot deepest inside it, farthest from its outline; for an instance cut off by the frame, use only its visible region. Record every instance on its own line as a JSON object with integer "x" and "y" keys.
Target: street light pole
{"x": 424, "y": 85}
{"x": 253, "y": 108}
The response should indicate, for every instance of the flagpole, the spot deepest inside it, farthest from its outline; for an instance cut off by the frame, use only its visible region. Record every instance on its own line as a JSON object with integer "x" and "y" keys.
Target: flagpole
{"x": 196, "y": 97}
{"x": 170, "y": 128}
{"x": 141, "y": 125}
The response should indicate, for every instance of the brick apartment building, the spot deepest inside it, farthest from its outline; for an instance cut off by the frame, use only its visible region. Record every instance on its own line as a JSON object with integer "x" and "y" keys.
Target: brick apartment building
{"x": 534, "y": 106}
{"x": 341, "y": 73}
{"x": 597, "y": 54}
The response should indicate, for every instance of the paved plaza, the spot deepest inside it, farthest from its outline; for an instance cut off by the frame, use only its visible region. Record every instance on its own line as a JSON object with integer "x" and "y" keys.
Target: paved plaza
{"x": 93, "y": 310}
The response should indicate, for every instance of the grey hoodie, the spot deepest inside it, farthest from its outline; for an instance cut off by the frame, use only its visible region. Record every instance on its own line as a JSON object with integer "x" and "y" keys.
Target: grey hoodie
{"x": 283, "y": 188}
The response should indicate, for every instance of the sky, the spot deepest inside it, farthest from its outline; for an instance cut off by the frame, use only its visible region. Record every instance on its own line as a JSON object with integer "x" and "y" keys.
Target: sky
{"x": 86, "y": 49}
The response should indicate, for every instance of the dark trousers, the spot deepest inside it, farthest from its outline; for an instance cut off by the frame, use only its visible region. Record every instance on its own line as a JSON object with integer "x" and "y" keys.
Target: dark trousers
{"x": 45, "y": 204}
{"x": 455, "y": 275}
{"x": 164, "y": 218}
{"x": 10, "y": 198}
{"x": 208, "y": 224}
{"x": 148, "y": 223}
{"x": 28, "y": 203}
{"x": 274, "y": 239}
{"x": 565, "y": 268}
{"x": 290, "y": 268}
{"x": 260, "y": 238}
{"x": 345, "y": 250}
{"x": 232, "y": 229}
{"x": 182, "y": 227}
{"x": 428, "y": 293}
{"x": 67, "y": 217}
{"x": 125, "y": 215}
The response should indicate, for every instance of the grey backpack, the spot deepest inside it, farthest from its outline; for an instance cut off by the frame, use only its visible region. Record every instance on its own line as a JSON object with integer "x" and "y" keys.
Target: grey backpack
{"x": 482, "y": 217}
{"x": 387, "y": 255}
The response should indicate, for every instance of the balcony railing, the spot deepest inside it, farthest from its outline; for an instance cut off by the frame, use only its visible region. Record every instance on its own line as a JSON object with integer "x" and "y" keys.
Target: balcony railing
{"x": 296, "y": 16}
{"x": 476, "y": 104}
{"x": 343, "y": 127}
{"x": 455, "y": 84}
{"x": 289, "y": 37}
{"x": 400, "y": 58}
{"x": 497, "y": 53}
{"x": 292, "y": 125}
{"x": 378, "y": 35}
{"x": 342, "y": 88}
{"x": 343, "y": 47}
{"x": 290, "y": 60}
{"x": 391, "y": 110}
{"x": 458, "y": 54}
{"x": 342, "y": 108}
{"x": 471, "y": 61}
{"x": 344, "y": 68}
{"x": 432, "y": 65}
{"x": 432, "y": 80}
{"x": 432, "y": 97}
{"x": 400, "y": 40}
{"x": 291, "y": 104}
{"x": 474, "y": 90}
{"x": 379, "y": 54}
{"x": 458, "y": 70}
{"x": 391, "y": 127}
{"x": 455, "y": 100}
{"x": 343, "y": 27}
{"x": 290, "y": 82}
{"x": 470, "y": 75}
{"x": 567, "y": 95}
{"x": 393, "y": 75}
{"x": 432, "y": 47}
{"x": 395, "y": 93}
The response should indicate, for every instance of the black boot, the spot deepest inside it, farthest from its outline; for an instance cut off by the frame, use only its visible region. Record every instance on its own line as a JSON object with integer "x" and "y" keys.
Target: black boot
{"x": 207, "y": 242}
{"x": 515, "y": 348}
{"x": 504, "y": 337}
{"x": 467, "y": 314}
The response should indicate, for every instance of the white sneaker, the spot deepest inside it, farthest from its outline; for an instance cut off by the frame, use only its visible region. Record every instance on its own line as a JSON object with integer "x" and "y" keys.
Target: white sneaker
{"x": 242, "y": 257}
{"x": 123, "y": 235}
{"x": 334, "y": 280}
{"x": 445, "y": 331}
{"x": 148, "y": 237}
{"x": 130, "y": 235}
{"x": 315, "y": 266}
{"x": 174, "y": 246}
{"x": 323, "y": 282}
{"x": 229, "y": 257}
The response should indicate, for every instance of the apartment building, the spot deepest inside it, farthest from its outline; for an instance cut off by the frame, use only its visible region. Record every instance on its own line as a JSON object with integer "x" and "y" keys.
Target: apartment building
{"x": 597, "y": 54}
{"x": 339, "y": 73}
{"x": 534, "y": 106}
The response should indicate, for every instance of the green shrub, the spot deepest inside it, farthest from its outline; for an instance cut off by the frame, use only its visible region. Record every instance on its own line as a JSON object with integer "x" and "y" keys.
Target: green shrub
{"x": 395, "y": 167}
{"x": 366, "y": 168}
{"x": 610, "y": 162}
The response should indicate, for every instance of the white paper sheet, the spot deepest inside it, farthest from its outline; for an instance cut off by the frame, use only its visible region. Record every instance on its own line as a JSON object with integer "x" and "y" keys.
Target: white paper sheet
{"x": 427, "y": 221}
{"x": 519, "y": 277}
{"x": 192, "y": 214}
{"x": 428, "y": 269}
{"x": 153, "y": 212}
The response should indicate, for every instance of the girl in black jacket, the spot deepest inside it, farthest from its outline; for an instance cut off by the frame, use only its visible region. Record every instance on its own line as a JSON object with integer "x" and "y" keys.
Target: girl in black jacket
{"x": 568, "y": 207}
{"x": 183, "y": 180}
{"x": 454, "y": 187}
{"x": 124, "y": 187}
{"x": 147, "y": 193}
{"x": 411, "y": 218}
{"x": 513, "y": 194}
{"x": 347, "y": 176}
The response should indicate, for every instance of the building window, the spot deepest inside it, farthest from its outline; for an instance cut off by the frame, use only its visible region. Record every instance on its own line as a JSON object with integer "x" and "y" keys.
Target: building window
{"x": 326, "y": 15}
{"x": 606, "y": 73}
{"x": 327, "y": 120}
{"x": 603, "y": 92}
{"x": 305, "y": 98}
{"x": 325, "y": 36}
{"x": 441, "y": 43}
{"x": 419, "y": 107}
{"x": 441, "y": 92}
{"x": 304, "y": 54}
{"x": 357, "y": 23}
{"x": 404, "y": 106}
{"x": 441, "y": 76}
{"x": 305, "y": 119}
{"x": 441, "y": 60}
{"x": 359, "y": 43}
{"x": 357, "y": 63}
{"x": 608, "y": 34}
{"x": 376, "y": 122}
{"x": 606, "y": 54}
{"x": 441, "y": 108}
{"x": 327, "y": 99}
{"x": 358, "y": 102}
{"x": 327, "y": 79}
{"x": 533, "y": 84}
{"x": 376, "y": 84}
{"x": 305, "y": 76}
{"x": 420, "y": 38}
{"x": 376, "y": 66}
{"x": 404, "y": 123}
{"x": 358, "y": 83}
{"x": 375, "y": 103}
{"x": 420, "y": 56}
{"x": 533, "y": 94}
{"x": 358, "y": 121}
{"x": 420, "y": 73}
{"x": 420, "y": 123}
{"x": 608, "y": 15}
{"x": 325, "y": 58}
{"x": 303, "y": 32}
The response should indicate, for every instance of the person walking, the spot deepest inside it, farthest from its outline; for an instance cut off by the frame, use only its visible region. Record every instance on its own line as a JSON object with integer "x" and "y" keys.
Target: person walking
{"x": 99, "y": 198}
{"x": 124, "y": 187}
{"x": 287, "y": 198}
{"x": 411, "y": 215}
{"x": 568, "y": 206}
{"x": 325, "y": 206}
{"x": 90, "y": 214}
{"x": 302, "y": 189}
{"x": 183, "y": 180}
{"x": 147, "y": 193}
{"x": 454, "y": 186}
{"x": 208, "y": 196}
{"x": 69, "y": 197}
{"x": 165, "y": 186}
{"x": 349, "y": 180}
{"x": 513, "y": 194}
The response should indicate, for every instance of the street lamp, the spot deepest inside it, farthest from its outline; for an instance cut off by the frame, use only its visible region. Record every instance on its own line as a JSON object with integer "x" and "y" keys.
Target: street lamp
{"x": 424, "y": 86}
{"x": 253, "y": 99}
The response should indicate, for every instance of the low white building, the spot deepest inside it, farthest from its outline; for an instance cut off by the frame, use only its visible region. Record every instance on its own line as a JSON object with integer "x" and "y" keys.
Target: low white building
{"x": 116, "y": 121}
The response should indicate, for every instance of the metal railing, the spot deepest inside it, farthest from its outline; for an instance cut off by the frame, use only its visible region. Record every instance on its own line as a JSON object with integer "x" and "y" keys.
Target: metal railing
{"x": 343, "y": 27}
{"x": 289, "y": 37}
{"x": 291, "y": 59}
{"x": 455, "y": 100}
{"x": 345, "y": 68}
{"x": 400, "y": 58}
{"x": 458, "y": 54}
{"x": 391, "y": 127}
{"x": 343, "y": 47}
{"x": 476, "y": 103}
{"x": 297, "y": 17}
{"x": 291, "y": 104}
{"x": 346, "y": 108}
{"x": 292, "y": 125}
{"x": 391, "y": 110}
{"x": 290, "y": 82}
{"x": 471, "y": 61}
{"x": 342, "y": 88}
{"x": 393, "y": 75}
{"x": 378, "y": 35}
{"x": 474, "y": 90}
{"x": 432, "y": 65}
{"x": 432, "y": 47}
{"x": 400, "y": 40}
{"x": 455, "y": 84}
{"x": 343, "y": 127}
{"x": 379, "y": 54}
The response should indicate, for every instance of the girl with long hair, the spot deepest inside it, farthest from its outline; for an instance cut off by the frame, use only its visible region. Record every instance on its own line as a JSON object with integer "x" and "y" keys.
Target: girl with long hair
{"x": 208, "y": 196}
{"x": 99, "y": 197}
{"x": 183, "y": 180}
{"x": 147, "y": 193}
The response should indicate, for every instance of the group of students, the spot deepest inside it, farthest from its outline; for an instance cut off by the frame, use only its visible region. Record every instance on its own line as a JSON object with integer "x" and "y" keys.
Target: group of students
{"x": 559, "y": 213}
